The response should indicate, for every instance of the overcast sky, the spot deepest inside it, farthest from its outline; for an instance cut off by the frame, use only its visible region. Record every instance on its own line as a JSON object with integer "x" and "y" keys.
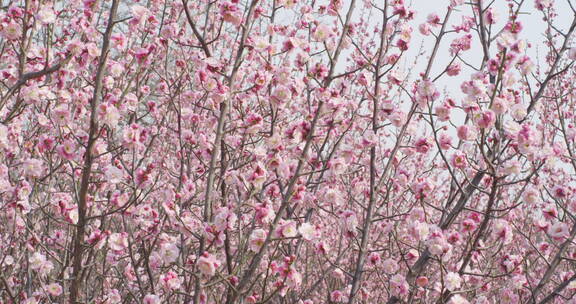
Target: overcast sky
{"x": 531, "y": 19}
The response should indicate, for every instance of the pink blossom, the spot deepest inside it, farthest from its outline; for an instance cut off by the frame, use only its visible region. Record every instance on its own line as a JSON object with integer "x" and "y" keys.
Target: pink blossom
{"x": 490, "y": 16}
{"x": 54, "y": 289}
{"x": 460, "y": 44}
{"x": 453, "y": 281}
{"x": 399, "y": 285}
{"x": 433, "y": 19}
{"x": 281, "y": 95}
{"x": 499, "y": 106}
{"x": 287, "y": 229}
{"x": 307, "y": 231}
{"x": 322, "y": 32}
{"x": 390, "y": 266}
{"x": 502, "y": 231}
{"x": 337, "y": 296}
{"x": 421, "y": 281}
{"x": 33, "y": 167}
{"x": 423, "y": 145}
{"x": 558, "y": 231}
{"x": 458, "y": 299}
{"x": 543, "y": 4}
{"x": 170, "y": 280}
{"x": 458, "y": 160}
{"x": 61, "y": 114}
{"x": 427, "y": 91}
{"x": 67, "y": 150}
{"x": 39, "y": 262}
{"x": 169, "y": 252}
{"x": 11, "y": 31}
{"x": 151, "y": 299}
{"x": 139, "y": 15}
{"x": 118, "y": 241}
{"x": 374, "y": 258}
{"x": 485, "y": 119}
{"x": 46, "y": 15}
{"x": 207, "y": 264}
{"x": 453, "y": 69}
{"x": 349, "y": 222}
{"x": 113, "y": 174}
{"x": 257, "y": 239}
{"x": 445, "y": 141}
{"x": 443, "y": 112}
{"x": 231, "y": 13}
{"x": 424, "y": 29}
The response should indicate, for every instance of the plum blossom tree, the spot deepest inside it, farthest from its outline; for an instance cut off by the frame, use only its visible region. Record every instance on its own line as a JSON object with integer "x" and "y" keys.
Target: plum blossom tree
{"x": 286, "y": 151}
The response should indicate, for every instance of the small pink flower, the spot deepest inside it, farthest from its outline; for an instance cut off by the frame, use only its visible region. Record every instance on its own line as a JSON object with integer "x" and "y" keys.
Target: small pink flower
{"x": 468, "y": 225}
{"x": 424, "y": 29}
{"x": 559, "y": 191}
{"x": 558, "y": 231}
{"x": 390, "y": 266}
{"x": 443, "y": 112}
{"x": 12, "y": 31}
{"x": 433, "y": 19}
{"x": 169, "y": 252}
{"x": 421, "y": 281}
{"x": 459, "y": 160}
{"x": 458, "y": 299}
{"x": 399, "y": 285}
{"x": 286, "y": 229}
{"x": 445, "y": 141}
{"x": 33, "y": 167}
{"x": 453, "y": 281}
{"x": 46, "y": 15}
{"x": 230, "y": 13}
{"x": 502, "y": 231}
{"x": 460, "y": 44}
{"x": 257, "y": 239}
{"x": 485, "y": 119}
{"x": 337, "y": 296}
{"x": 530, "y": 196}
{"x": 207, "y": 264}
{"x": 258, "y": 176}
{"x": 307, "y": 231}
{"x": 466, "y": 133}
{"x": 402, "y": 44}
{"x": 139, "y": 15}
{"x": 151, "y": 299}
{"x": 281, "y": 95}
{"x": 453, "y": 69}
{"x": 67, "y": 150}
{"x": 322, "y": 32}
{"x": 427, "y": 91}
{"x": 118, "y": 241}
{"x": 349, "y": 222}
{"x": 550, "y": 212}
{"x": 423, "y": 145}
{"x": 499, "y": 106}
{"x": 490, "y": 16}
{"x": 543, "y": 4}
{"x": 170, "y": 280}
{"x": 374, "y": 258}
{"x": 61, "y": 114}
{"x": 54, "y": 289}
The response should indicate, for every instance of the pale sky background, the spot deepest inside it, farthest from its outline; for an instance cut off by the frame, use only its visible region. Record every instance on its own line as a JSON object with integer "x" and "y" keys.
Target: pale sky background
{"x": 533, "y": 32}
